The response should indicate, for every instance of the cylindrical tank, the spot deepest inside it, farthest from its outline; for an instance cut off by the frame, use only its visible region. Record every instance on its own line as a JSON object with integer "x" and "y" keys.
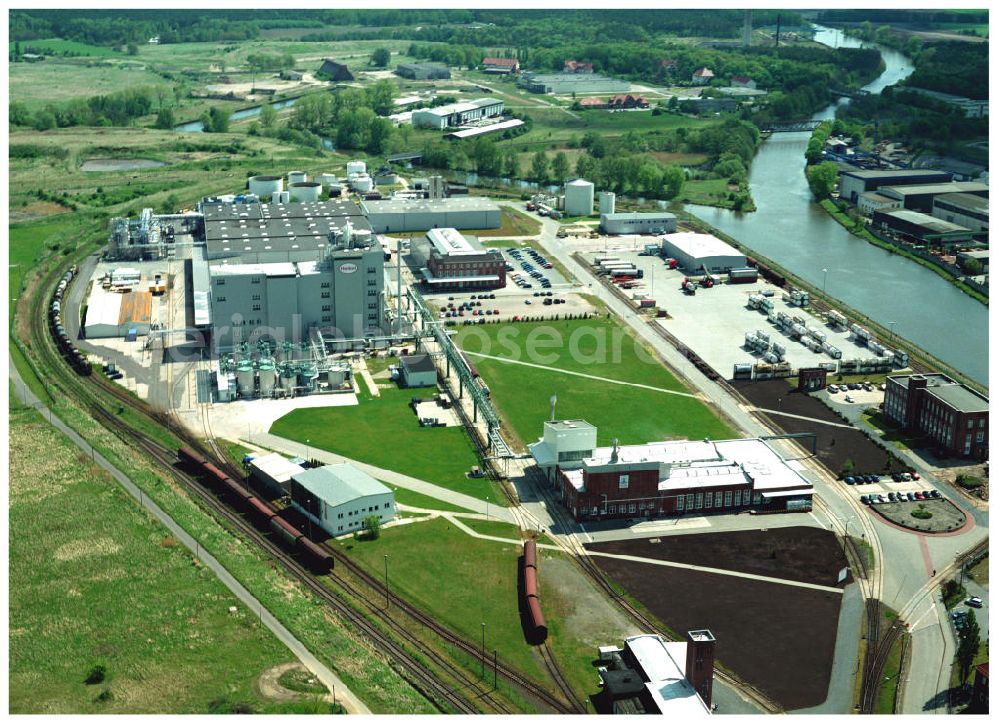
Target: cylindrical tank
{"x": 334, "y": 190}
{"x": 266, "y": 376}
{"x": 289, "y": 378}
{"x": 579, "y": 198}
{"x": 326, "y": 179}
{"x": 356, "y": 167}
{"x": 245, "y": 379}
{"x": 606, "y": 202}
{"x": 307, "y": 376}
{"x": 265, "y": 186}
{"x": 336, "y": 377}
{"x": 296, "y": 177}
{"x": 362, "y": 183}
{"x": 305, "y": 191}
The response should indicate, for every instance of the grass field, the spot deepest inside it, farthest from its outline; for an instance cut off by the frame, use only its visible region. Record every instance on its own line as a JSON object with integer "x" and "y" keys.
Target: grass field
{"x": 980, "y": 571}
{"x": 57, "y": 45}
{"x": 418, "y": 499}
{"x": 55, "y": 81}
{"x": 26, "y": 245}
{"x": 706, "y": 191}
{"x": 106, "y": 585}
{"x": 596, "y": 347}
{"x": 384, "y": 432}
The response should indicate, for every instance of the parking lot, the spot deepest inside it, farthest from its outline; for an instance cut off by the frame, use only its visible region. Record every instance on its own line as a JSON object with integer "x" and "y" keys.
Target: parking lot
{"x": 530, "y": 270}
{"x": 506, "y": 304}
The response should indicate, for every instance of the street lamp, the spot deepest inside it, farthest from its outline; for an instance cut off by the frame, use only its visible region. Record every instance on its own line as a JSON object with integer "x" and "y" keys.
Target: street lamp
{"x": 487, "y": 508}
{"x": 307, "y": 450}
{"x": 824, "y": 280}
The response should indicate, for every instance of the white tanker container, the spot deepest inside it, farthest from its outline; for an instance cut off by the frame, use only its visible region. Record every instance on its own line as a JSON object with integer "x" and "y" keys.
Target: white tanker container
{"x": 755, "y": 301}
{"x": 770, "y": 357}
{"x": 902, "y": 359}
{"x": 817, "y": 333}
{"x": 799, "y": 330}
{"x": 762, "y": 336}
{"x": 265, "y": 186}
{"x": 837, "y": 319}
{"x": 778, "y": 348}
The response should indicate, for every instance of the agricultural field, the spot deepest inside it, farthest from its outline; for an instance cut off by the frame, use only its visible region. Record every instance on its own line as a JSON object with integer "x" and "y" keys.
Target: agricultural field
{"x": 58, "y": 46}
{"x": 127, "y": 599}
{"x": 595, "y": 347}
{"x": 59, "y": 80}
{"x": 713, "y": 192}
{"x": 383, "y": 431}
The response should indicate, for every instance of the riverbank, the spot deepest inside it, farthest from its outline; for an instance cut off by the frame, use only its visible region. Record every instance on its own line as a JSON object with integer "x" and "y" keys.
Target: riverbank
{"x": 917, "y": 355}
{"x": 859, "y": 230}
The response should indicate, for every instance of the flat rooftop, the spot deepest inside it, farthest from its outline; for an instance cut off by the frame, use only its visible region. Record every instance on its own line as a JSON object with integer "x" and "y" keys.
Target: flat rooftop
{"x": 456, "y": 108}
{"x": 476, "y": 131}
{"x": 276, "y": 467}
{"x": 266, "y": 209}
{"x": 270, "y": 270}
{"x": 928, "y": 222}
{"x": 950, "y": 392}
{"x": 661, "y": 664}
{"x": 971, "y": 202}
{"x": 699, "y": 245}
{"x": 879, "y": 173}
{"x": 616, "y": 216}
{"x": 448, "y": 241}
{"x": 904, "y": 190}
{"x": 450, "y": 204}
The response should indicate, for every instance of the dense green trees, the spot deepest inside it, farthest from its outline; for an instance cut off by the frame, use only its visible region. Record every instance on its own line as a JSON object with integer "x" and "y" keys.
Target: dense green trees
{"x": 270, "y": 61}
{"x": 968, "y": 645}
{"x": 165, "y": 118}
{"x": 822, "y": 179}
{"x": 560, "y": 167}
{"x": 957, "y": 68}
{"x": 216, "y": 120}
{"x": 268, "y": 116}
{"x": 380, "y": 58}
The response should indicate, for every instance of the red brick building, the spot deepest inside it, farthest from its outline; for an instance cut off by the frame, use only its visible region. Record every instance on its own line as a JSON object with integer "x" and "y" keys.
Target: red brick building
{"x": 665, "y": 478}
{"x": 953, "y": 416}
{"x": 458, "y": 262}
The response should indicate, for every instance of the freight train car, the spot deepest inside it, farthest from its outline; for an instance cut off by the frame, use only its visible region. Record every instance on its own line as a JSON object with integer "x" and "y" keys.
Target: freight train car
{"x": 537, "y": 630}
{"x": 73, "y": 356}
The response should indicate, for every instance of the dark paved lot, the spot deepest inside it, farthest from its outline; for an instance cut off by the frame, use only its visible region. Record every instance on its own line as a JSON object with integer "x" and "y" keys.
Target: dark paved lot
{"x": 779, "y": 638}
{"x": 810, "y": 555}
{"x": 835, "y": 445}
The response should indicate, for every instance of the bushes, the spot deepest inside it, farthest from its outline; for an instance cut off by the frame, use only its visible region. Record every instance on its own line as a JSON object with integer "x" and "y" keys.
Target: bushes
{"x": 97, "y": 674}
{"x": 968, "y": 482}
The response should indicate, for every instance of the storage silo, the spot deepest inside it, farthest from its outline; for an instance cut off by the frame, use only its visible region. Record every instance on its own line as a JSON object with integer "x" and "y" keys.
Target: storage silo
{"x": 336, "y": 376}
{"x": 606, "y": 202}
{"x": 356, "y": 167}
{"x": 266, "y": 376}
{"x": 245, "y": 379}
{"x": 296, "y": 177}
{"x": 579, "y": 198}
{"x": 327, "y": 179}
{"x": 362, "y": 183}
{"x": 305, "y": 191}
{"x": 308, "y": 376}
{"x": 266, "y": 186}
{"x": 289, "y": 378}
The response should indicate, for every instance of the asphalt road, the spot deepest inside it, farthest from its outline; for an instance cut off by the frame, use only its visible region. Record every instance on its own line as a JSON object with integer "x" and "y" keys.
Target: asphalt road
{"x": 345, "y": 697}
{"x": 905, "y": 574}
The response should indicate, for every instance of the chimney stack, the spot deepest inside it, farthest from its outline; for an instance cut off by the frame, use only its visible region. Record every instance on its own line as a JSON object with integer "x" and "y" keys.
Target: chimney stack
{"x": 699, "y": 668}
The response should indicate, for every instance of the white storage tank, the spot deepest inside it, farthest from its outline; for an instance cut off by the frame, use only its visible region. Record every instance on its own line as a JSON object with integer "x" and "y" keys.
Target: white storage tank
{"x": 335, "y": 377}
{"x": 266, "y": 186}
{"x": 356, "y": 167}
{"x": 305, "y": 191}
{"x": 296, "y": 177}
{"x": 606, "y": 203}
{"x": 245, "y": 379}
{"x": 289, "y": 378}
{"x": 267, "y": 377}
{"x": 362, "y": 183}
{"x": 579, "y": 198}
{"x": 327, "y": 179}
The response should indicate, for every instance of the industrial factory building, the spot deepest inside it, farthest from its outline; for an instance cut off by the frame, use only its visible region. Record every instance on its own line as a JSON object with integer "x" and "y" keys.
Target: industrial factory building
{"x": 114, "y": 315}
{"x": 871, "y": 202}
{"x": 920, "y": 197}
{"x": 697, "y": 253}
{"x": 340, "y": 497}
{"x": 341, "y": 293}
{"x": 408, "y": 215}
{"x": 457, "y": 114}
{"x": 417, "y": 371}
{"x": 334, "y": 71}
{"x": 638, "y": 223}
{"x": 273, "y": 473}
{"x": 665, "y": 478}
{"x": 651, "y": 675}
{"x": 919, "y": 228}
{"x": 967, "y": 210}
{"x": 453, "y": 261}
{"x": 423, "y": 71}
{"x": 572, "y": 83}
{"x": 262, "y": 232}
{"x": 856, "y": 181}
{"x": 953, "y": 416}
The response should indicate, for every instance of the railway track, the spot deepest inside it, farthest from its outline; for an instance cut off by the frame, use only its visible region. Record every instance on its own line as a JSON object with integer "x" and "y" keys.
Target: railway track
{"x": 552, "y": 666}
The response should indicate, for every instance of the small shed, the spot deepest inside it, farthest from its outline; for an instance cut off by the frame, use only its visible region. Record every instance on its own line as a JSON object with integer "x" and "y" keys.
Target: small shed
{"x": 417, "y": 371}
{"x": 273, "y": 473}
{"x": 812, "y": 379}
{"x": 335, "y": 71}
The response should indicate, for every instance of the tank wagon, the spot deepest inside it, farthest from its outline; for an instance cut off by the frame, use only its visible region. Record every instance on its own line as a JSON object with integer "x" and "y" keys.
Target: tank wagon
{"x": 538, "y": 631}
{"x": 74, "y": 357}
{"x": 258, "y": 512}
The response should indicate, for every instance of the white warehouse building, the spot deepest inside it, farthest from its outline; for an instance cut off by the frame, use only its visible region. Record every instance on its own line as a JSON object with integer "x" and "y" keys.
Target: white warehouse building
{"x": 457, "y": 114}
{"x": 579, "y": 198}
{"x": 340, "y": 497}
{"x": 696, "y": 252}
{"x": 637, "y": 223}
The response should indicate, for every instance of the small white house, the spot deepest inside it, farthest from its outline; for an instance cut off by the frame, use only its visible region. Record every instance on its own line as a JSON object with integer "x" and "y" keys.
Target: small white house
{"x": 702, "y": 77}
{"x": 340, "y": 497}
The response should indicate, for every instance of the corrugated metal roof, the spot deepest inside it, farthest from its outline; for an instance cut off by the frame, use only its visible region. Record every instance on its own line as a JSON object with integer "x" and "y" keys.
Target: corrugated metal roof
{"x": 337, "y": 484}
{"x": 136, "y": 308}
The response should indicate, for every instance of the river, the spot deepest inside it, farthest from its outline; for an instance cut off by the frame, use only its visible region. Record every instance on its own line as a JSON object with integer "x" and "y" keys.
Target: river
{"x": 796, "y": 233}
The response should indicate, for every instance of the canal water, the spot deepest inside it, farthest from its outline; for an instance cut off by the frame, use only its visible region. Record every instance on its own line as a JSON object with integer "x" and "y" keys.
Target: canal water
{"x": 237, "y": 115}
{"x": 789, "y": 228}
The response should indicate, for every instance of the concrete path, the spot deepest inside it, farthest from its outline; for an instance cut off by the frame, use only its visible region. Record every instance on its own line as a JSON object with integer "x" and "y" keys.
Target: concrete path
{"x": 799, "y": 416}
{"x": 362, "y": 368}
{"x": 567, "y": 372}
{"x": 280, "y": 444}
{"x": 347, "y": 699}
{"x": 718, "y": 571}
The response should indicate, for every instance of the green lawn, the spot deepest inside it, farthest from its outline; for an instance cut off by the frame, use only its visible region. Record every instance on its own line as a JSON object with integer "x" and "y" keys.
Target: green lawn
{"x": 103, "y": 584}
{"x": 706, "y": 191}
{"x": 384, "y": 432}
{"x": 57, "y": 45}
{"x": 418, "y": 499}
{"x": 597, "y": 347}
{"x": 27, "y": 241}
{"x": 464, "y": 581}
{"x": 495, "y": 528}
{"x": 55, "y": 81}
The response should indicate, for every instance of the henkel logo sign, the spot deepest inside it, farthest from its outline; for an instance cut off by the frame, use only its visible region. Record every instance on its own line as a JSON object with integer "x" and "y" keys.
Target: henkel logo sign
{"x": 348, "y": 268}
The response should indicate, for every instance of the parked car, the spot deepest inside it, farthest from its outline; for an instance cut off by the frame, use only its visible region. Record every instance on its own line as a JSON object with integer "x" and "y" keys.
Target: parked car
{"x": 843, "y": 387}
{"x": 849, "y": 399}
{"x": 919, "y": 495}
{"x": 900, "y": 496}
{"x": 865, "y": 499}
{"x": 832, "y": 389}
{"x": 892, "y": 497}
{"x": 935, "y": 494}
{"x": 915, "y": 476}
{"x": 896, "y": 477}
{"x": 926, "y": 494}
{"x": 849, "y": 480}
{"x": 975, "y": 602}
{"x": 906, "y": 476}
